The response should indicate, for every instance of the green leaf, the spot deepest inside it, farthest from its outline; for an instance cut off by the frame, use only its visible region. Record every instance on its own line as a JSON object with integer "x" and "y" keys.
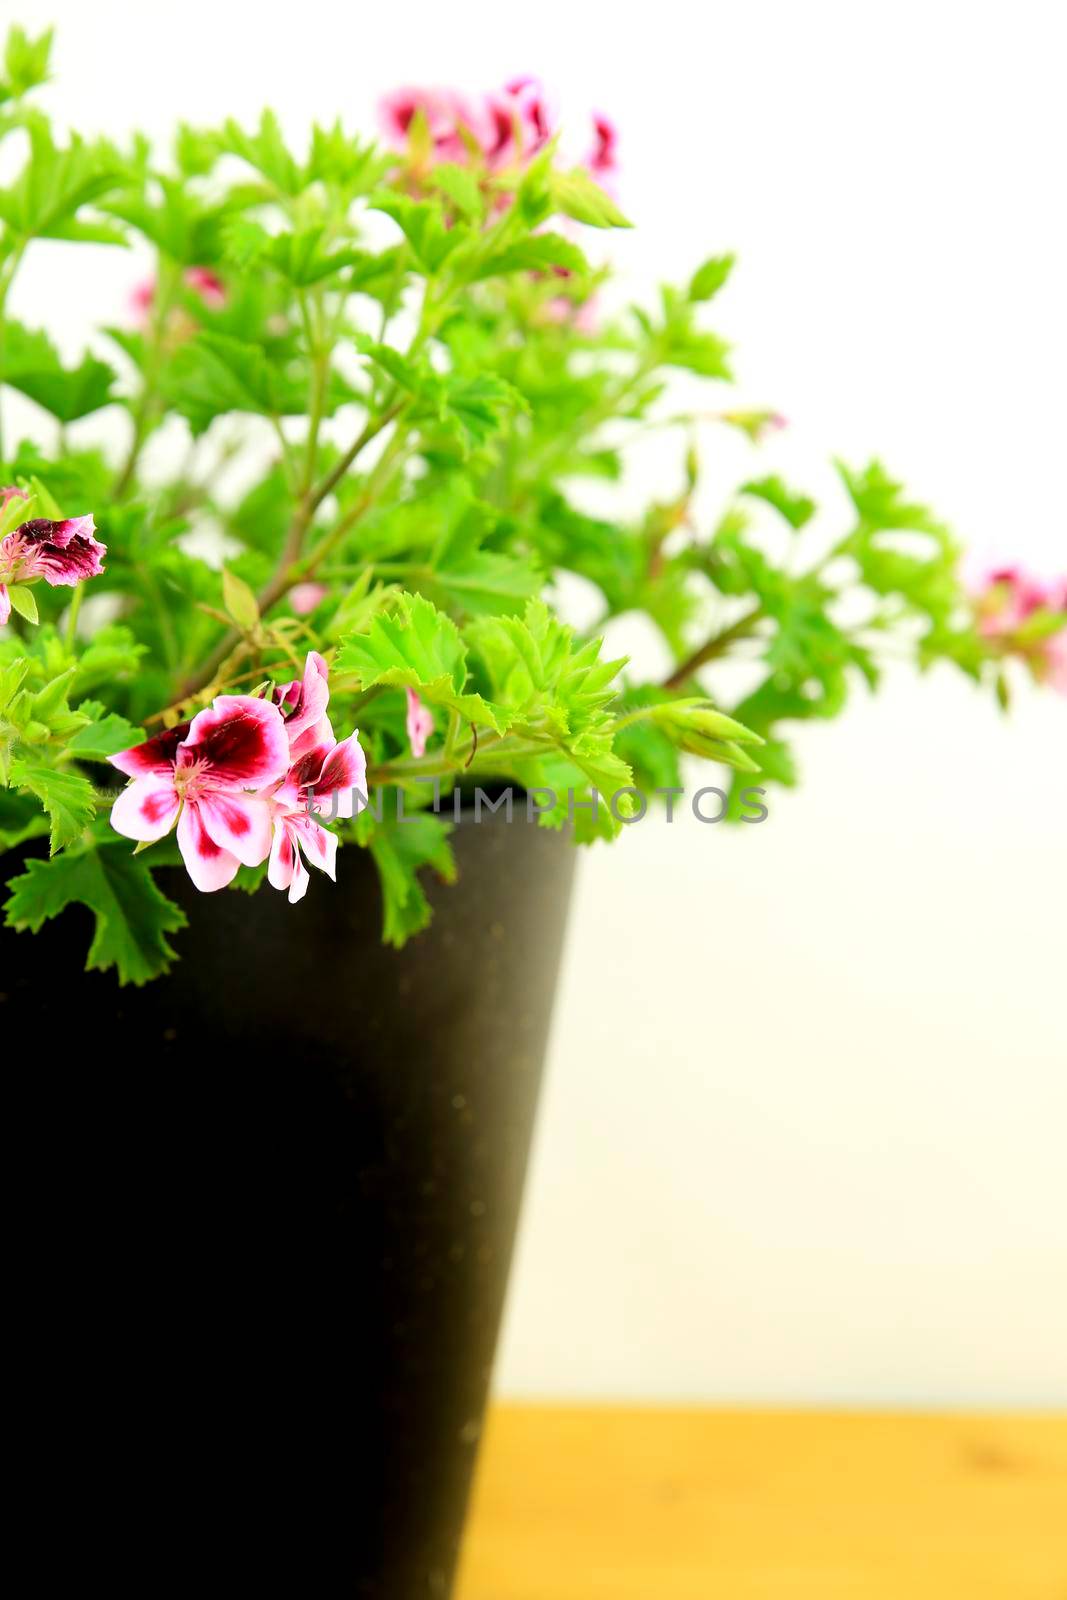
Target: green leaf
{"x": 22, "y": 601}
{"x": 541, "y": 252}
{"x": 25, "y": 61}
{"x": 105, "y": 736}
{"x": 67, "y": 797}
{"x": 418, "y": 378}
{"x": 708, "y": 279}
{"x": 576, "y": 195}
{"x": 478, "y": 407}
{"x": 703, "y": 353}
{"x": 301, "y": 257}
{"x": 485, "y": 582}
{"x": 132, "y": 916}
{"x": 882, "y": 504}
{"x": 417, "y": 647}
{"x": 21, "y": 819}
{"x": 111, "y": 656}
{"x": 32, "y": 365}
{"x": 797, "y": 509}
{"x": 423, "y": 224}
{"x": 45, "y": 198}
{"x": 214, "y": 373}
{"x": 265, "y": 151}
{"x": 240, "y": 601}
{"x": 461, "y": 187}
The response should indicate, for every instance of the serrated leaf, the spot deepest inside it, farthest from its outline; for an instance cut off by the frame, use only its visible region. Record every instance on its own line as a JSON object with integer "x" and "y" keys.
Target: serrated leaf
{"x": 25, "y": 60}
{"x": 541, "y": 252}
{"x": 797, "y": 509}
{"x": 67, "y": 797}
{"x": 423, "y": 224}
{"x": 461, "y": 187}
{"x": 33, "y": 367}
{"x": 214, "y": 373}
{"x": 55, "y": 183}
{"x": 132, "y": 916}
{"x": 105, "y": 736}
{"x": 418, "y": 647}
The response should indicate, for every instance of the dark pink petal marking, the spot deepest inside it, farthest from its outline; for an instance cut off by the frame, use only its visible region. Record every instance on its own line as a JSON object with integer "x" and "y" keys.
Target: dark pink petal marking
{"x": 241, "y": 740}
{"x": 155, "y": 755}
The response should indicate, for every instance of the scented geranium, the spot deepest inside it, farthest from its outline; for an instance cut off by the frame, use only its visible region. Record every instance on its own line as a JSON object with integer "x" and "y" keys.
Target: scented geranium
{"x": 205, "y": 778}
{"x": 60, "y": 553}
{"x": 389, "y": 372}
{"x": 324, "y": 777}
{"x": 1023, "y": 616}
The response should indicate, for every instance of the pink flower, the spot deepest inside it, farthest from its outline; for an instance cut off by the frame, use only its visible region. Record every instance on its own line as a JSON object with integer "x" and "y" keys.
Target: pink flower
{"x": 537, "y": 114}
{"x": 515, "y": 122}
{"x": 63, "y": 553}
{"x": 305, "y": 597}
{"x": 202, "y": 775}
{"x": 208, "y": 285}
{"x": 445, "y": 112}
{"x": 603, "y": 160}
{"x": 1008, "y": 598}
{"x": 323, "y": 776}
{"x": 1005, "y": 606}
{"x": 419, "y": 724}
{"x": 11, "y": 493}
{"x": 204, "y": 283}
{"x": 142, "y": 297}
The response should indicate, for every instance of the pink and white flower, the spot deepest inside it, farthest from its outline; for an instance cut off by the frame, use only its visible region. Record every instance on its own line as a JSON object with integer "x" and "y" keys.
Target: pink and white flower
{"x": 324, "y": 777}
{"x": 206, "y": 776}
{"x": 419, "y": 724}
{"x": 1006, "y": 605}
{"x": 62, "y": 553}
{"x": 205, "y": 284}
{"x": 306, "y": 597}
{"x": 446, "y": 114}
{"x": 603, "y": 159}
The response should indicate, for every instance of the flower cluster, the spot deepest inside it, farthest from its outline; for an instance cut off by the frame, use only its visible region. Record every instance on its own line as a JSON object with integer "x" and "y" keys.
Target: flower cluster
{"x": 243, "y": 782}
{"x": 1022, "y": 616}
{"x": 504, "y": 128}
{"x": 62, "y": 553}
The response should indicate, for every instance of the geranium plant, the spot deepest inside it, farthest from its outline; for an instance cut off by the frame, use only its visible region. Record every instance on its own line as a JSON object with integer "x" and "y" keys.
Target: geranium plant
{"x": 363, "y": 384}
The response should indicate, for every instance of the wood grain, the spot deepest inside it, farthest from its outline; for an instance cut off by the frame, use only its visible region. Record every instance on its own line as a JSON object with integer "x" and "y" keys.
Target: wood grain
{"x": 610, "y": 1504}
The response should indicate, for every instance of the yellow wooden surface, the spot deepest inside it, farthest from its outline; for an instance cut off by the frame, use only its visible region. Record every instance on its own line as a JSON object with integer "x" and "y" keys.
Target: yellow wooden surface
{"x": 607, "y": 1504}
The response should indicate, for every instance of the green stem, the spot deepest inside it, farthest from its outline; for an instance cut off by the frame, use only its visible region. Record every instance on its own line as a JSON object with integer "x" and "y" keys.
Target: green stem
{"x": 716, "y": 646}
{"x": 167, "y": 280}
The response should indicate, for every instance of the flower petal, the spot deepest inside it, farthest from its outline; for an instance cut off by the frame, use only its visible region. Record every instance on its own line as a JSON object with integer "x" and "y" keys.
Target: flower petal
{"x": 319, "y": 737}
{"x": 304, "y": 704}
{"x": 240, "y": 823}
{"x": 301, "y": 878}
{"x": 242, "y": 740}
{"x": 5, "y": 605}
{"x": 147, "y": 809}
{"x": 155, "y": 755}
{"x": 341, "y": 786}
{"x": 282, "y": 856}
{"x": 318, "y": 844}
{"x": 209, "y": 866}
{"x": 419, "y": 724}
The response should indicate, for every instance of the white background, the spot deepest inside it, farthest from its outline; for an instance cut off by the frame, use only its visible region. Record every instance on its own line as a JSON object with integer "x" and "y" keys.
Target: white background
{"x": 805, "y": 1122}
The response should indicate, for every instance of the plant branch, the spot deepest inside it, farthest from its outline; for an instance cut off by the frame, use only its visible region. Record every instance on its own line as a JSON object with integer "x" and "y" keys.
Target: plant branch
{"x": 714, "y": 647}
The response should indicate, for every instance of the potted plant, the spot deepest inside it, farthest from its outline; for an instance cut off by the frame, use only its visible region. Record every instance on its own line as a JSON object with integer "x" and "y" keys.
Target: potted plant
{"x": 307, "y": 625}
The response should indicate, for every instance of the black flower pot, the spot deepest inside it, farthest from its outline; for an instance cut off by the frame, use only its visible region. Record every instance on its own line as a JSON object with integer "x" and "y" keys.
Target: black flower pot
{"x": 263, "y": 1220}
